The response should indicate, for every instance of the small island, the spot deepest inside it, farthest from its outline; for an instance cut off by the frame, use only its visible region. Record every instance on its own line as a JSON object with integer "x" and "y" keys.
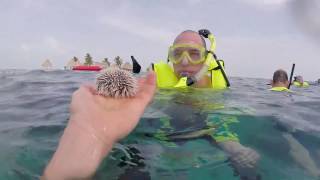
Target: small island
{"x": 90, "y": 65}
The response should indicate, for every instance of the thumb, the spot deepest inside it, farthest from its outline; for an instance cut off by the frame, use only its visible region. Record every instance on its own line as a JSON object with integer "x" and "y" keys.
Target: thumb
{"x": 148, "y": 87}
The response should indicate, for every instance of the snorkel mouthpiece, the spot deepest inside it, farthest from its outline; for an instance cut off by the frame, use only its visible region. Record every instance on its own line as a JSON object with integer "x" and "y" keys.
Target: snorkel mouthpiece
{"x": 184, "y": 74}
{"x": 116, "y": 83}
{"x": 187, "y": 80}
{"x": 190, "y": 81}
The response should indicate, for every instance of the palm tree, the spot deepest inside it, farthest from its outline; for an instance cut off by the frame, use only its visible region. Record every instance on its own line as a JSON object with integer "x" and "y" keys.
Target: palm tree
{"x": 75, "y": 59}
{"x": 106, "y": 61}
{"x": 118, "y": 61}
{"x": 88, "y": 60}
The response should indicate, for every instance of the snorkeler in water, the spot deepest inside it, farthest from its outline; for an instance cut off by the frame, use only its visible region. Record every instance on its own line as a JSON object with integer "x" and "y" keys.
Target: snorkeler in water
{"x": 315, "y": 83}
{"x": 297, "y": 151}
{"x": 280, "y": 81}
{"x": 96, "y": 122}
{"x": 190, "y": 64}
{"x": 299, "y": 82}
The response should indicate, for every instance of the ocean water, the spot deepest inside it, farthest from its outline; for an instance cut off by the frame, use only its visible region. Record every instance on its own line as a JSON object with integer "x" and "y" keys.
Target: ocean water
{"x": 283, "y": 128}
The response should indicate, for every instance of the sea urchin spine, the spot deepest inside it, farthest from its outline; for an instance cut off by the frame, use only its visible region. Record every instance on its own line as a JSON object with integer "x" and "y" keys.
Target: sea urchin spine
{"x": 116, "y": 83}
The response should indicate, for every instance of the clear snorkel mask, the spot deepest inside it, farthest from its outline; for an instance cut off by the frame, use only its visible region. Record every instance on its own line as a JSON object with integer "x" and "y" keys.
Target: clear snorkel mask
{"x": 195, "y": 54}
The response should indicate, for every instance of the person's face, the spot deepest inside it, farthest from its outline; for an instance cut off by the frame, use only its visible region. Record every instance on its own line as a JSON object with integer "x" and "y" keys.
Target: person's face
{"x": 299, "y": 79}
{"x": 185, "y": 68}
{"x": 287, "y": 84}
{"x": 279, "y": 84}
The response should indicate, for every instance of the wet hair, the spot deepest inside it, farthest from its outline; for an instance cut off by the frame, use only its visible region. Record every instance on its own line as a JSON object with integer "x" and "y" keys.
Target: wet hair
{"x": 280, "y": 76}
{"x": 191, "y": 31}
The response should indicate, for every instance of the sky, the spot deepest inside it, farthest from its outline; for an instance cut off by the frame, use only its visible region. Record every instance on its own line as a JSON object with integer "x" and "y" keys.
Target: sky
{"x": 254, "y": 37}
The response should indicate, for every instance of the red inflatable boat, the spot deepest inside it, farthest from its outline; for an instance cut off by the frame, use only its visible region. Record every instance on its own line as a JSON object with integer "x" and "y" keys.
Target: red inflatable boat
{"x": 86, "y": 68}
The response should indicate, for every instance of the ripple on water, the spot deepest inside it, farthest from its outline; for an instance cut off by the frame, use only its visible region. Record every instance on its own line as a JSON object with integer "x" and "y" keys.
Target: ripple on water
{"x": 34, "y": 111}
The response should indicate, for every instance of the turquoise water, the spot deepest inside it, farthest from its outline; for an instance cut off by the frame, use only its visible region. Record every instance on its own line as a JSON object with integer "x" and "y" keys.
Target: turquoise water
{"x": 34, "y": 112}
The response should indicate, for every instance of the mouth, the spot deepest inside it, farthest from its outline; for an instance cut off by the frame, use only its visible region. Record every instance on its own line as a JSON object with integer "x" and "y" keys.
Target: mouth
{"x": 186, "y": 73}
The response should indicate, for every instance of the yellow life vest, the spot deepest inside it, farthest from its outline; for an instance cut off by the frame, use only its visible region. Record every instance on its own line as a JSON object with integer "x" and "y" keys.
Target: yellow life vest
{"x": 280, "y": 89}
{"x": 166, "y": 77}
{"x": 298, "y": 84}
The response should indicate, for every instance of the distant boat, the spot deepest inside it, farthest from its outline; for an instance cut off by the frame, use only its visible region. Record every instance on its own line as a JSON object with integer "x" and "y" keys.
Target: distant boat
{"x": 46, "y": 65}
{"x": 86, "y": 68}
{"x": 136, "y": 66}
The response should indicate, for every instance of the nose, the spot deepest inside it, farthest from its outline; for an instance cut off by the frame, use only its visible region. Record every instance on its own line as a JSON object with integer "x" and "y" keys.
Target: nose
{"x": 184, "y": 60}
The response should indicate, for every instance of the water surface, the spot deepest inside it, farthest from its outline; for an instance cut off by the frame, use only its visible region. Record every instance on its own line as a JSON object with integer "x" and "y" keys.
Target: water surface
{"x": 34, "y": 112}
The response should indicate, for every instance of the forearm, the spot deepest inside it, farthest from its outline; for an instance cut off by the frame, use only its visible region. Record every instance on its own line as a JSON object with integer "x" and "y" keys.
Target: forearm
{"x": 301, "y": 155}
{"x": 78, "y": 155}
{"x": 230, "y": 147}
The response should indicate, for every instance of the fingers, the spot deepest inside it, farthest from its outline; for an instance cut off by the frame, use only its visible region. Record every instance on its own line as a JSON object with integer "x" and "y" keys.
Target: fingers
{"x": 147, "y": 87}
{"x": 247, "y": 158}
{"x": 151, "y": 78}
{"x": 84, "y": 91}
{"x": 141, "y": 82}
{"x": 90, "y": 88}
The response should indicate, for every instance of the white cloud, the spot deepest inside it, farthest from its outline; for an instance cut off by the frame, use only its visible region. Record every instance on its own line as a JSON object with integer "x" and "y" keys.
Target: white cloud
{"x": 48, "y": 45}
{"x": 138, "y": 28}
{"x": 54, "y": 44}
{"x": 25, "y": 47}
{"x": 194, "y": 2}
{"x": 273, "y": 2}
{"x": 267, "y": 3}
{"x": 260, "y": 57}
{"x": 35, "y": 4}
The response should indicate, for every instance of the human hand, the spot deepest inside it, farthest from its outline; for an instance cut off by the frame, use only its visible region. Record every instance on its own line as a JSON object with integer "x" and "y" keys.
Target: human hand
{"x": 111, "y": 118}
{"x": 244, "y": 163}
{"x": 242, "y": 159}
{"x": 245, "y": 158}
{"x": 95, "y": 124}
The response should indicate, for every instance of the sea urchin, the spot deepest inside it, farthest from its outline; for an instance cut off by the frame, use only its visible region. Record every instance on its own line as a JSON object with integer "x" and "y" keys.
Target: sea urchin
{"x": 116, "y": 83}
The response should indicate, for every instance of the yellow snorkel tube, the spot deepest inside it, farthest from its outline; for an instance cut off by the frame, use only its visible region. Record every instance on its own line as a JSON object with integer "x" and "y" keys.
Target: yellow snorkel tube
{"x": 209, "y": 64}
